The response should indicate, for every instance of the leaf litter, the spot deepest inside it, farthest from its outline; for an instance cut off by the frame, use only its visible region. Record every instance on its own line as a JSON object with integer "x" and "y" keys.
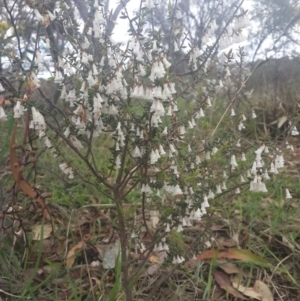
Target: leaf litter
{"x": 84, "y": 248}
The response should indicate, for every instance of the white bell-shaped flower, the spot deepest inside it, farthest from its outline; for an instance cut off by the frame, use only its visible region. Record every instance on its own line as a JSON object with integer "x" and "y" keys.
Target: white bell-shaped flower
{"x": 287, "y": 194}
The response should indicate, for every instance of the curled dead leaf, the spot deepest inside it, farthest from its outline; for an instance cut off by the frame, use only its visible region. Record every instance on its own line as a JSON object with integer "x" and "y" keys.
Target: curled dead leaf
{"x": 70, "y": 258}
{"x": 153, "y": 269}
{"x": 228, "y": 267}
{"x": 224, "y": 282}
{"x": 225, "y": 242}
{"x": 264, "y": 290}
{"x": 154, "y": 259}
{"x": 247, "y": 291}
{"x": 40, "y": 231}
{"x": 231, "y": 253}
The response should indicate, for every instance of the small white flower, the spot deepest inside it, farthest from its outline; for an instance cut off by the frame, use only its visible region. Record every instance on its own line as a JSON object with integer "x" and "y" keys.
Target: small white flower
{"x": 176, "y": 49}
{"x": 208, "y": 102}
{"x": 233, "y": 162}
{"x": 38, "y": 16}
{"x": 243, "y": 157}
{"x": 214, "y": 150}
{"x": 118, "y": 162}
{"x": 48, "y": 142}
{"x": 241, "y": 126}
{"x": 146, "y": 189}
{"x": 177, "y": 190}
{"x": 257, "y": 185}
{"x": 67, "y": 132}
{"x": 211, "y": 195}
{"x": 136, "y": 152}
{"x": 85, "y": 44}
{"x": 166, "y": 247}
{"x": 161, "y": 150}
{"x": 33, "y": 80}
{"x": 172, "y": 148}
{"x": 180, "y": 259}
{"x": 153, "y": 157}
{"x": 178, "y": 14}
{"x": 294, "y": 131}
{"x": 175, "y": 260}
{"x": 205, "y": 203}
{"x": 179, "y": 228}
{"x": 1, "y": 88}
{"x": 266, "y": 175}
{"x": 279, "y": 161}
{"x": 76, "y": 142}
{"x": 38, "y": 122}
{"x": 2, "y": 114}
{"x": 207, "y": 244}
{"x": 39, "y": 60}
{"x": 224, "y": 187}
{"x": 166, "y": 62}
{"x": 200, "y": 114}
{"x": 266, "y": 150}
{"x": 67, "y": 170}
{"x": 198, "y": 214}
{"x": 58, "y": 79}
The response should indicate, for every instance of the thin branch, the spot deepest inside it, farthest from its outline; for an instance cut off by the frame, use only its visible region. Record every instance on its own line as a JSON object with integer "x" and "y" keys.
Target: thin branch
{"x": 15, "y": 28}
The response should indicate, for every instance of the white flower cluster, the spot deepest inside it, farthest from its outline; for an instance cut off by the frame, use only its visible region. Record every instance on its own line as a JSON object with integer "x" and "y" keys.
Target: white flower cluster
{"x": 130, "y": 97}
{"x": 66, "y": 169}
{"x": 234, "y": 33}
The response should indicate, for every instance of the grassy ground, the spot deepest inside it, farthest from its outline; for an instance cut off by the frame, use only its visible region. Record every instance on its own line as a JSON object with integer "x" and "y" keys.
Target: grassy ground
{"x": 62, "y": 260}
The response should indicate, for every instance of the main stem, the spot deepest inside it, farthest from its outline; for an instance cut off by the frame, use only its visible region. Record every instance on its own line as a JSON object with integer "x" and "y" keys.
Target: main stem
{"x": 124, "y": 246}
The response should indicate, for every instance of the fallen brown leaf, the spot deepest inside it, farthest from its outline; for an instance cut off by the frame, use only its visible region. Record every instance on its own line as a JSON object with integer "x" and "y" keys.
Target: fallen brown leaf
{"x": 218, "y": 294}
{"x": 103, "y": 248}
{"x": 228, "y": 267}
{"x": 70, "y": 258}
{"x": 225, "y": 242}
{"x": 217, "y": 227}
{"x": 17, "y": 174}
{"x": 264, "y": 290}
{"x": 37, "y": 231}
{"x": 224, "y": 282}
{"x": 248, "y": 291}
{"x": 154, "y": 259}
{"x": 231, "y": 253}
{"x": 153, "y": 269}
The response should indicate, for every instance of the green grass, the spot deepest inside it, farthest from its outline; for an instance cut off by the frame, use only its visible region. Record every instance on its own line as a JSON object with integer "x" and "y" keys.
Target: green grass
{"x": 245, "y": 213}
{"x": 267, "y": 221}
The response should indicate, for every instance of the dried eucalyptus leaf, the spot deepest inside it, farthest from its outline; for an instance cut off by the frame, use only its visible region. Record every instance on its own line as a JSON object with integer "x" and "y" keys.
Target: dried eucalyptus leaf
{"x": 110, "y": 255}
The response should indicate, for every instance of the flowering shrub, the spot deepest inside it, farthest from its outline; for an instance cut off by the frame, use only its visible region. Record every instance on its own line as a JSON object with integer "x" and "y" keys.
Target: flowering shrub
{"x": 162, "y": 145}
